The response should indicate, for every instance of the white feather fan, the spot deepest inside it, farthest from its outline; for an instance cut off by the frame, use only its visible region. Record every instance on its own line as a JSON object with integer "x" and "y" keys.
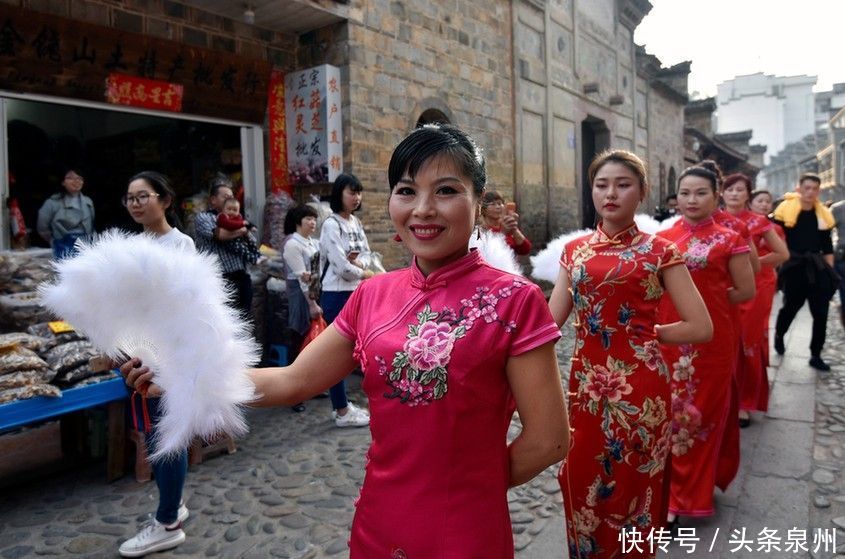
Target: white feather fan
{"x": 135, "y": 297}
{"x": 546, "y": 263}
{"x": 647, "y": 224}
{"x": 495, "y": 251}
{"x": 668, "y": 223}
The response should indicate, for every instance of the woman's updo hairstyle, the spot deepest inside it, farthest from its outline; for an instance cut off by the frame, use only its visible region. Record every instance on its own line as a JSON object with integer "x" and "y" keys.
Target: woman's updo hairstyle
{"x": 706, "y": 169}
{"x": 433, "y": 140}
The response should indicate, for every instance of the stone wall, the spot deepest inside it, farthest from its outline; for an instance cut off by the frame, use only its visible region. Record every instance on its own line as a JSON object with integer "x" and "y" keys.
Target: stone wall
{"x": 406, "y": 57}
{"x": 576, "y": 78}
{"x": 666, "y": 144}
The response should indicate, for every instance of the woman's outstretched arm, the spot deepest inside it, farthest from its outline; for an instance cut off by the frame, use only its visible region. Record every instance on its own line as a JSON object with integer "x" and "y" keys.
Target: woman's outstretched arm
{"x": 321, "y": 365}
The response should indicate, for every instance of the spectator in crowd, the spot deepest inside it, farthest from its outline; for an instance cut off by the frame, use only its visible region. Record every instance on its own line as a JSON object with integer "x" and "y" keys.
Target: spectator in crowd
{"x": 66, "y": 215}
{"x": 808, "y": 274}
{"x": 218, "y": 241}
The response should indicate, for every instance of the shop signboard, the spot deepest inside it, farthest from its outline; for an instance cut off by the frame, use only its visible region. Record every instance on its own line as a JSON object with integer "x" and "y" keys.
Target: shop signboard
{"x": 141, "y": 92}
{"x": 46, "y": 54}
{"x": 313, "y": 122}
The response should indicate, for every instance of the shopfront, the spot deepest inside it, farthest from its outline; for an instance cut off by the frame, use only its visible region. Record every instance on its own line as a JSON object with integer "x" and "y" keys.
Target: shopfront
{"x": 112, "y": 103}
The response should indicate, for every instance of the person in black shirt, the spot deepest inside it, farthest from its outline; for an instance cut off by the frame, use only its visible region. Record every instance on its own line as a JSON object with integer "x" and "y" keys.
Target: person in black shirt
{"x": 808, "y": 274}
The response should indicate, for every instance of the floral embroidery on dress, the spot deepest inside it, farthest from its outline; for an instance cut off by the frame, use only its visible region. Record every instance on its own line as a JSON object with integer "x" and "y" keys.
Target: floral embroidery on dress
{"x": 698, "y": 251}
{"x": 419, "y": 373}
{"x": 686, "y": 417}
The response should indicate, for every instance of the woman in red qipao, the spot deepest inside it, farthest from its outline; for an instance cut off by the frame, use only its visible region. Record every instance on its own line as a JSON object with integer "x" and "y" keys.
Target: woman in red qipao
{"x": 702, "y": 373}
{"x": 449, "y": 347}
{"x": 729, "y": 454}
{"x": 752, "y": 375}
{"x": 761, "y": 203}
{"x": 620, "y": 398}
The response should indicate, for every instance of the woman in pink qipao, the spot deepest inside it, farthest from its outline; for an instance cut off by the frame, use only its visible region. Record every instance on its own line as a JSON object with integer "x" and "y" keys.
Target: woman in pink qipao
{"x": 449, "y": 348}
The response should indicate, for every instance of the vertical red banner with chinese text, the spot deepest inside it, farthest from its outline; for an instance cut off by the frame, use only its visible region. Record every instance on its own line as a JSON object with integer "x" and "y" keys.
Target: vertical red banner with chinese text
{"x": 277, "y": 134}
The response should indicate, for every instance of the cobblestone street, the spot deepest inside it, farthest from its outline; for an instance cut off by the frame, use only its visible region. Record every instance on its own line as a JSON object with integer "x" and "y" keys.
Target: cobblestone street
{"x": 287, "y": 492}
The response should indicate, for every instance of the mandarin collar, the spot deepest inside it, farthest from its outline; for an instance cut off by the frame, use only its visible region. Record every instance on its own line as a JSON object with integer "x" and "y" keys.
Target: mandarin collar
{"x": 445, "y": 274}
{"x": 624, "y": 236}
{"x": 695, "y": 227}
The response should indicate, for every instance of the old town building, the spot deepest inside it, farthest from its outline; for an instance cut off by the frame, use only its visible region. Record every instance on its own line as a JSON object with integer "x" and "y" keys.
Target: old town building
{"x": 542, "y": 84}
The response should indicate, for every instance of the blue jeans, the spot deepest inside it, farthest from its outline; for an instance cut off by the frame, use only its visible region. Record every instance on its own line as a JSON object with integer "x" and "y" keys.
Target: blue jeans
{"x": 64, "y": 247}
{"x": 332, "y": 303}
{"x": 170, "y": 472}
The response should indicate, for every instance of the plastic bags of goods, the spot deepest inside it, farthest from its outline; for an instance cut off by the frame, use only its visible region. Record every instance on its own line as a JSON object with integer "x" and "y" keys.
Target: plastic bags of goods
{"x": 23, "y": 374}
{"x": 68, "y": 352}
{"x": 19, "y": 310}
{"x": 23, "y": 270}
{"x": 51, "y": 339}
{"x": 23, "y": 339}
{"x": 29, "y": 391}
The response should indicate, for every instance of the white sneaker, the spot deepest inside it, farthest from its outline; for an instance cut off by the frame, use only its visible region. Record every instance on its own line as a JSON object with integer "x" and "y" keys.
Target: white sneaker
{"x": 153, "y": 537}
{"x": 355, "y": 417}
{"x": 183, "y": 513}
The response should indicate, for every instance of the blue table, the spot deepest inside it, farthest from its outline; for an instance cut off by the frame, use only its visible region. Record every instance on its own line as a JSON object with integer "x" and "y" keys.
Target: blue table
{"x": 23, "y": 412}
{"x": 113, "y": 392}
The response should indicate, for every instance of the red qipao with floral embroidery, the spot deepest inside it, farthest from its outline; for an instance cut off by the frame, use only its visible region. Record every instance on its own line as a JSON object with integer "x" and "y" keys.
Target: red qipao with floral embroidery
{"x": 434, "y": 351}
{"x": 702, "y": 374}
{"x": 619, "y": 398}
{"x": 752, "y": 375}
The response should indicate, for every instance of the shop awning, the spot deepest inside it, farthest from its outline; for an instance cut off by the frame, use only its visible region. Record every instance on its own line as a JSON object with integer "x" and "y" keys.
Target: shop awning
{"x": 286, "y": 16}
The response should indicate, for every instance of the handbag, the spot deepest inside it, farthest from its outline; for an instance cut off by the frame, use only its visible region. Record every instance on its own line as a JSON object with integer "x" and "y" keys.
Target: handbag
{"x": 317, "y": 326}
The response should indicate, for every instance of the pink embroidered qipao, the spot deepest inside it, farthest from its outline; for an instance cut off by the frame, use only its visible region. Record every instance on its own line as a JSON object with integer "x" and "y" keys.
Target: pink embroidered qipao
{"x": 433, "y": 351}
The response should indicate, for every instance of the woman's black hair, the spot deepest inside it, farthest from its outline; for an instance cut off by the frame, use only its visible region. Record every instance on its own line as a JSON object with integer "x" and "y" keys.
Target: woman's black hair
{"x": 343, "y": 180}
{"x": 706, "y": 169}
{"x": 161, "y": 185}
{"x": 295, "y": 215}
{"x": 432, "y": 140}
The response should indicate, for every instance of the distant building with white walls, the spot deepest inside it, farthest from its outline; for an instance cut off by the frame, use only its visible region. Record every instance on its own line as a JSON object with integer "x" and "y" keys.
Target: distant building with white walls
{"x": 777, "y": 109}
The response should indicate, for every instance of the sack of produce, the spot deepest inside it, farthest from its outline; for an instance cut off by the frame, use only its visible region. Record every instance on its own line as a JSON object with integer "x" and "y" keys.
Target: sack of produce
{"x": 18, "y": 358}
{"x": 25, "y": 378}
{"x": 65, "y": 357}
{"x": 29, "y": 391}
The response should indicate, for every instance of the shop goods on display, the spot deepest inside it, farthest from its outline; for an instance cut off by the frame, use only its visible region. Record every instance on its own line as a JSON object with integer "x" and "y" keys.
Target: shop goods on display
{"x": 34, "y": 365}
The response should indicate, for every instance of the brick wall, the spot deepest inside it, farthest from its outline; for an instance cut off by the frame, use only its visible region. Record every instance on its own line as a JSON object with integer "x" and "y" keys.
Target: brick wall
{"x": 405, "y": 57}
{"x": 666, "y": 143}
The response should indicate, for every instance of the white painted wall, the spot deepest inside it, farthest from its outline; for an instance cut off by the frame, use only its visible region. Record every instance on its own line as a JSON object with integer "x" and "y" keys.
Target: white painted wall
{"x": 777, "y": 109}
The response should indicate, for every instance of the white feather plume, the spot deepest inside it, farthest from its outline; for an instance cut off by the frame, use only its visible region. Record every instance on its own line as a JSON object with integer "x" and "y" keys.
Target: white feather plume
{"x": 495, "y": 251}
{"x": 668, "y": 223}
{"x": 647, "y": 224}
{"x": 132, "y": 296}
{"x": 545, "y": 265}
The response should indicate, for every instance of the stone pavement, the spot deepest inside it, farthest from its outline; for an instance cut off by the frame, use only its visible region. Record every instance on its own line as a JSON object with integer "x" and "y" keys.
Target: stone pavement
{"x": 289, "y": 489}
{"x": 287, "y": 492}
